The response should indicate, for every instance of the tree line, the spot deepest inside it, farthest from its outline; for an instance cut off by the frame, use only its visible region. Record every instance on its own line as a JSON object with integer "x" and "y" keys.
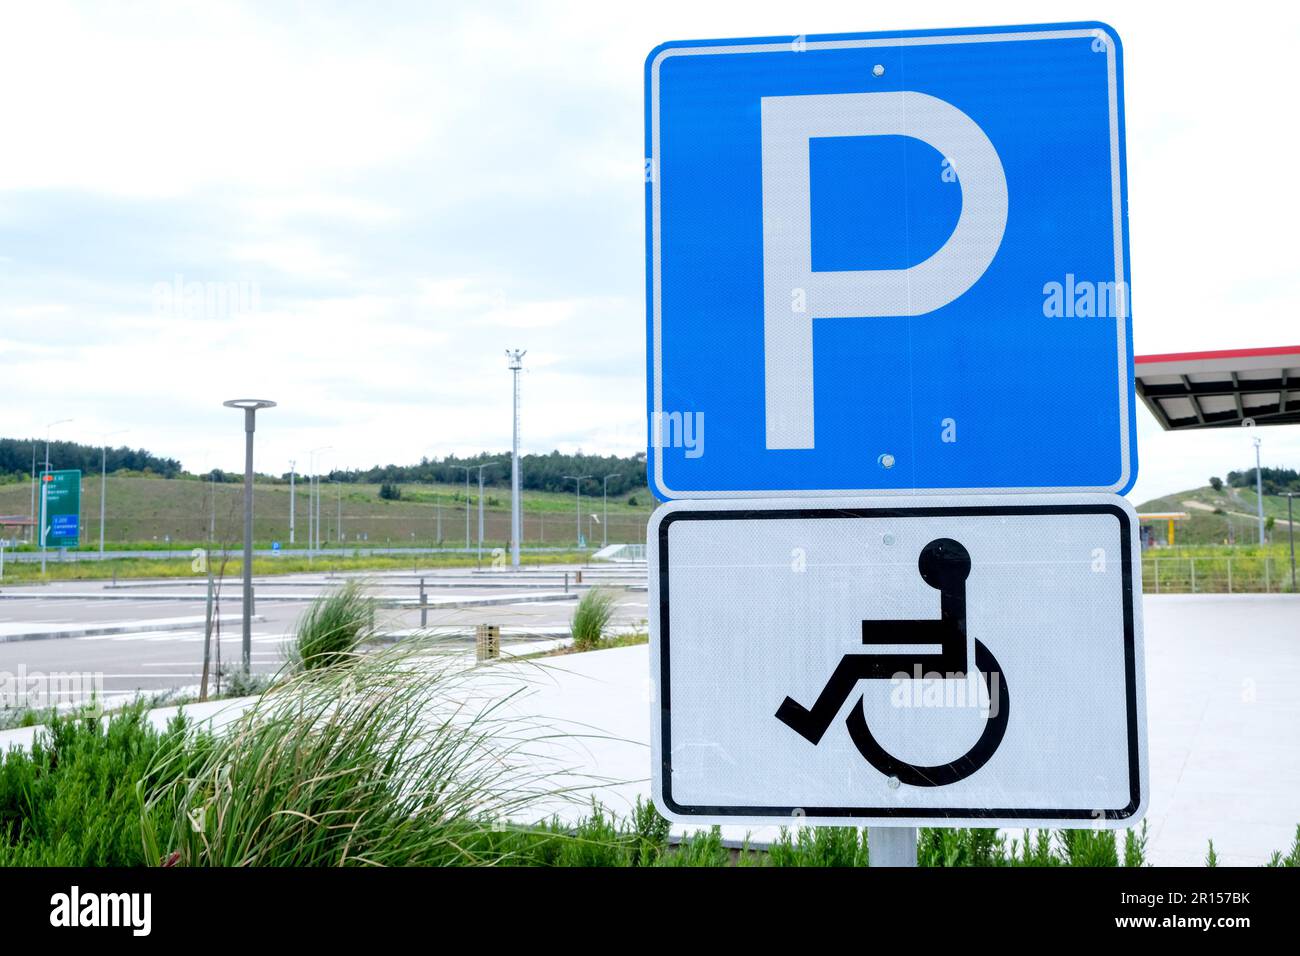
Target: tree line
{"x": 538, "y": 472}
{"x": 1275, "y": 481}
{"x": 547, "y": 472}
{"x": 16, "y": 458}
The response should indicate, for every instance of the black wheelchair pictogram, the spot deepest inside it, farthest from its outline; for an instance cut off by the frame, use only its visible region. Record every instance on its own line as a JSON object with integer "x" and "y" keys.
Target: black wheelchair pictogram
{"x": 944, "y": 564}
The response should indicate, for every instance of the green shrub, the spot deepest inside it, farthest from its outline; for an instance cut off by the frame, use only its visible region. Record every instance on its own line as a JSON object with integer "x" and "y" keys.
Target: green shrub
{"x": 590, "y": 618}
{"x": 384, "y": 760}
{"x": 1292, "y": 857}
{"x": 70, "y": 800}
{"x": 333, "y": 627}
{"x": 819, "y": 846}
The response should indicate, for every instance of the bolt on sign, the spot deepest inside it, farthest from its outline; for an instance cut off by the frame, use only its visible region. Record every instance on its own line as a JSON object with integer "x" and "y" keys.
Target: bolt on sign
{"x": 891, "y": 411}
{"x": 61, "y": 494}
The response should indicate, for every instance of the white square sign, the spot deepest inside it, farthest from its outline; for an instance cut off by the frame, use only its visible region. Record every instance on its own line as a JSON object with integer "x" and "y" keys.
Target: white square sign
{"x": 898, "y": 661}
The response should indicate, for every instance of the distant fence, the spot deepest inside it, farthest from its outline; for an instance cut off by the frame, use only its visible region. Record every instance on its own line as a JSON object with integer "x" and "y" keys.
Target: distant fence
{"x": 1215, "y": 575}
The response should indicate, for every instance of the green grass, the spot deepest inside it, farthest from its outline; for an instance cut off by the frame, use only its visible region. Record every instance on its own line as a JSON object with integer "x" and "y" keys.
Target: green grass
{"x": 390, "y": 759}
{"x": 341, "y": 766}
{"x": 143, "y": 511}
{"x": 1220, "y": 517}
{"x": 183, "y": 567}
{"x": 378, "y": 762}
{"x": 333, "y": 628}
{"x": 590, "y": 618}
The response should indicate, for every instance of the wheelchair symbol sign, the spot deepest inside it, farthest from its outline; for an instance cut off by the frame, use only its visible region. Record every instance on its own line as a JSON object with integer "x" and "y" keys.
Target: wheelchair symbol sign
{"x": 894, "y": 659}
{"x": 944, "y": 565}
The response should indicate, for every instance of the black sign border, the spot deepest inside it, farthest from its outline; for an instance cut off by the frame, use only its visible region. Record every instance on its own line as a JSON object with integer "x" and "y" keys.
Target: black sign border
{"x": 868, "y": 813}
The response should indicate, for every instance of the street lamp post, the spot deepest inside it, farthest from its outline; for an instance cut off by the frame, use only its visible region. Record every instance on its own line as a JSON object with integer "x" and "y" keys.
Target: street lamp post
{"x": 604, "y": 525}
{"x": 103, "y": 483}
{"x": 1290, "y": 529}
{"x": 487, "y": 464}
{"x": 313, "y": 495}
{"x": 250, "y": 407}
{"x": 516, "y": 359}
{"x": 577, "y": 484}
{"x": 468, "y": 469}
{"x": 292, "y": 465}
{"x": 45, "y": 482}
{"x": 1259, "y": 492}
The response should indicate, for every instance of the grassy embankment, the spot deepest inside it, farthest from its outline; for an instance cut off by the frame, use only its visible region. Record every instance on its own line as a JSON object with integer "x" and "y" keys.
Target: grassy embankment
{"x": 144, "y": 512}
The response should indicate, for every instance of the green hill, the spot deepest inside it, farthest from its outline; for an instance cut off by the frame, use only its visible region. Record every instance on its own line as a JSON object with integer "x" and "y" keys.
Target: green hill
{"x": 1225, "y": 516}
{"x": 144, "y": 511}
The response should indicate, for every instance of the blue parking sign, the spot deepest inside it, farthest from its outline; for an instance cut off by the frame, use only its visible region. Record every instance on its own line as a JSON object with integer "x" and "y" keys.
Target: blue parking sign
{"x": 889, "y": 263}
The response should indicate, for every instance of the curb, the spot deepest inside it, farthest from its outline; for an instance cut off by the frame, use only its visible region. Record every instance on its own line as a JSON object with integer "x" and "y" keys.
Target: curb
{"x": 103, "y": 630}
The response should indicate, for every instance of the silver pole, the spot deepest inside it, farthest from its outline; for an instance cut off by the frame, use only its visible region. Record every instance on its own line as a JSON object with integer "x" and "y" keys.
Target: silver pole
{"x": 516, "y": 357}
{"x": 31, "y": 531}
{"x": 577, "y": 512}
{"x": 480, "y": 512}
{"x": 250, "y": 407}
{"x": 45, "y": 484}
{"x": 891, "y": 846}
{"x": 1290, "y": 525}
{"x": 604, "y": 535}
{"x": 103, "y": 490}
{"x": 468, "y": 469}
{"x": 291, "y": 501}
{"x": 249, "y": 424}
{"x": 1259, "y": 492}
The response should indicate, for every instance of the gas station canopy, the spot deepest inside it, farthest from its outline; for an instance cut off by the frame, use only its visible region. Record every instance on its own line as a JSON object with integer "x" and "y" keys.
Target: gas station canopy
{"x": 1186, "y": 390}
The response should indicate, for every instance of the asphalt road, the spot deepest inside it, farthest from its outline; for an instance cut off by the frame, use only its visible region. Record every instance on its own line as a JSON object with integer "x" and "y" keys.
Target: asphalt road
{"x": 531, "y": 606}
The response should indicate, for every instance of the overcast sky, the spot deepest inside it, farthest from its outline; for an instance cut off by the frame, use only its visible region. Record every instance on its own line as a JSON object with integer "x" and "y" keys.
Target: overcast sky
{"x": 404, "y": 190}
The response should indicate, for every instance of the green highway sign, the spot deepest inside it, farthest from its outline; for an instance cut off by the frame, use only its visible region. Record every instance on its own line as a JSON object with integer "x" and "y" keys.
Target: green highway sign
{"x": 61, "y": 497}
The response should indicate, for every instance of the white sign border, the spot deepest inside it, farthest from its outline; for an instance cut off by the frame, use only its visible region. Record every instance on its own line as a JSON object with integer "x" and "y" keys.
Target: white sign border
{"x": 1097, "y": 32}
{"x": 924, "y": 505}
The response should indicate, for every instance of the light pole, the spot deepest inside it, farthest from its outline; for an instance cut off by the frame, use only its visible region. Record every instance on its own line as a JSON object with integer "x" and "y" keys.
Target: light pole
{"x": 486, "y": 464}
{"x": 45, "y": 483}
{"x": 31, "y": 530}
{"x": 1259, "y": 492}
{"x": 604, "y": 525}
{"x": 468, "y": 469}
{"x": 313, "y": 493}
{"x": 292, "y": 465}
{"x": 103, "y": 483}
{"x": 1290, "y": 528}
{"x": 250, "y": 407}
{"x": 516, "y": 360}
{"x": 577, "y": 484}
{"x": 338, "y": 525}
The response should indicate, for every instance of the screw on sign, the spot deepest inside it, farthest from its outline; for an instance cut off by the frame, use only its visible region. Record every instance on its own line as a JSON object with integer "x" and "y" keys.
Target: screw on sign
{"x": 944, "y": 565}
